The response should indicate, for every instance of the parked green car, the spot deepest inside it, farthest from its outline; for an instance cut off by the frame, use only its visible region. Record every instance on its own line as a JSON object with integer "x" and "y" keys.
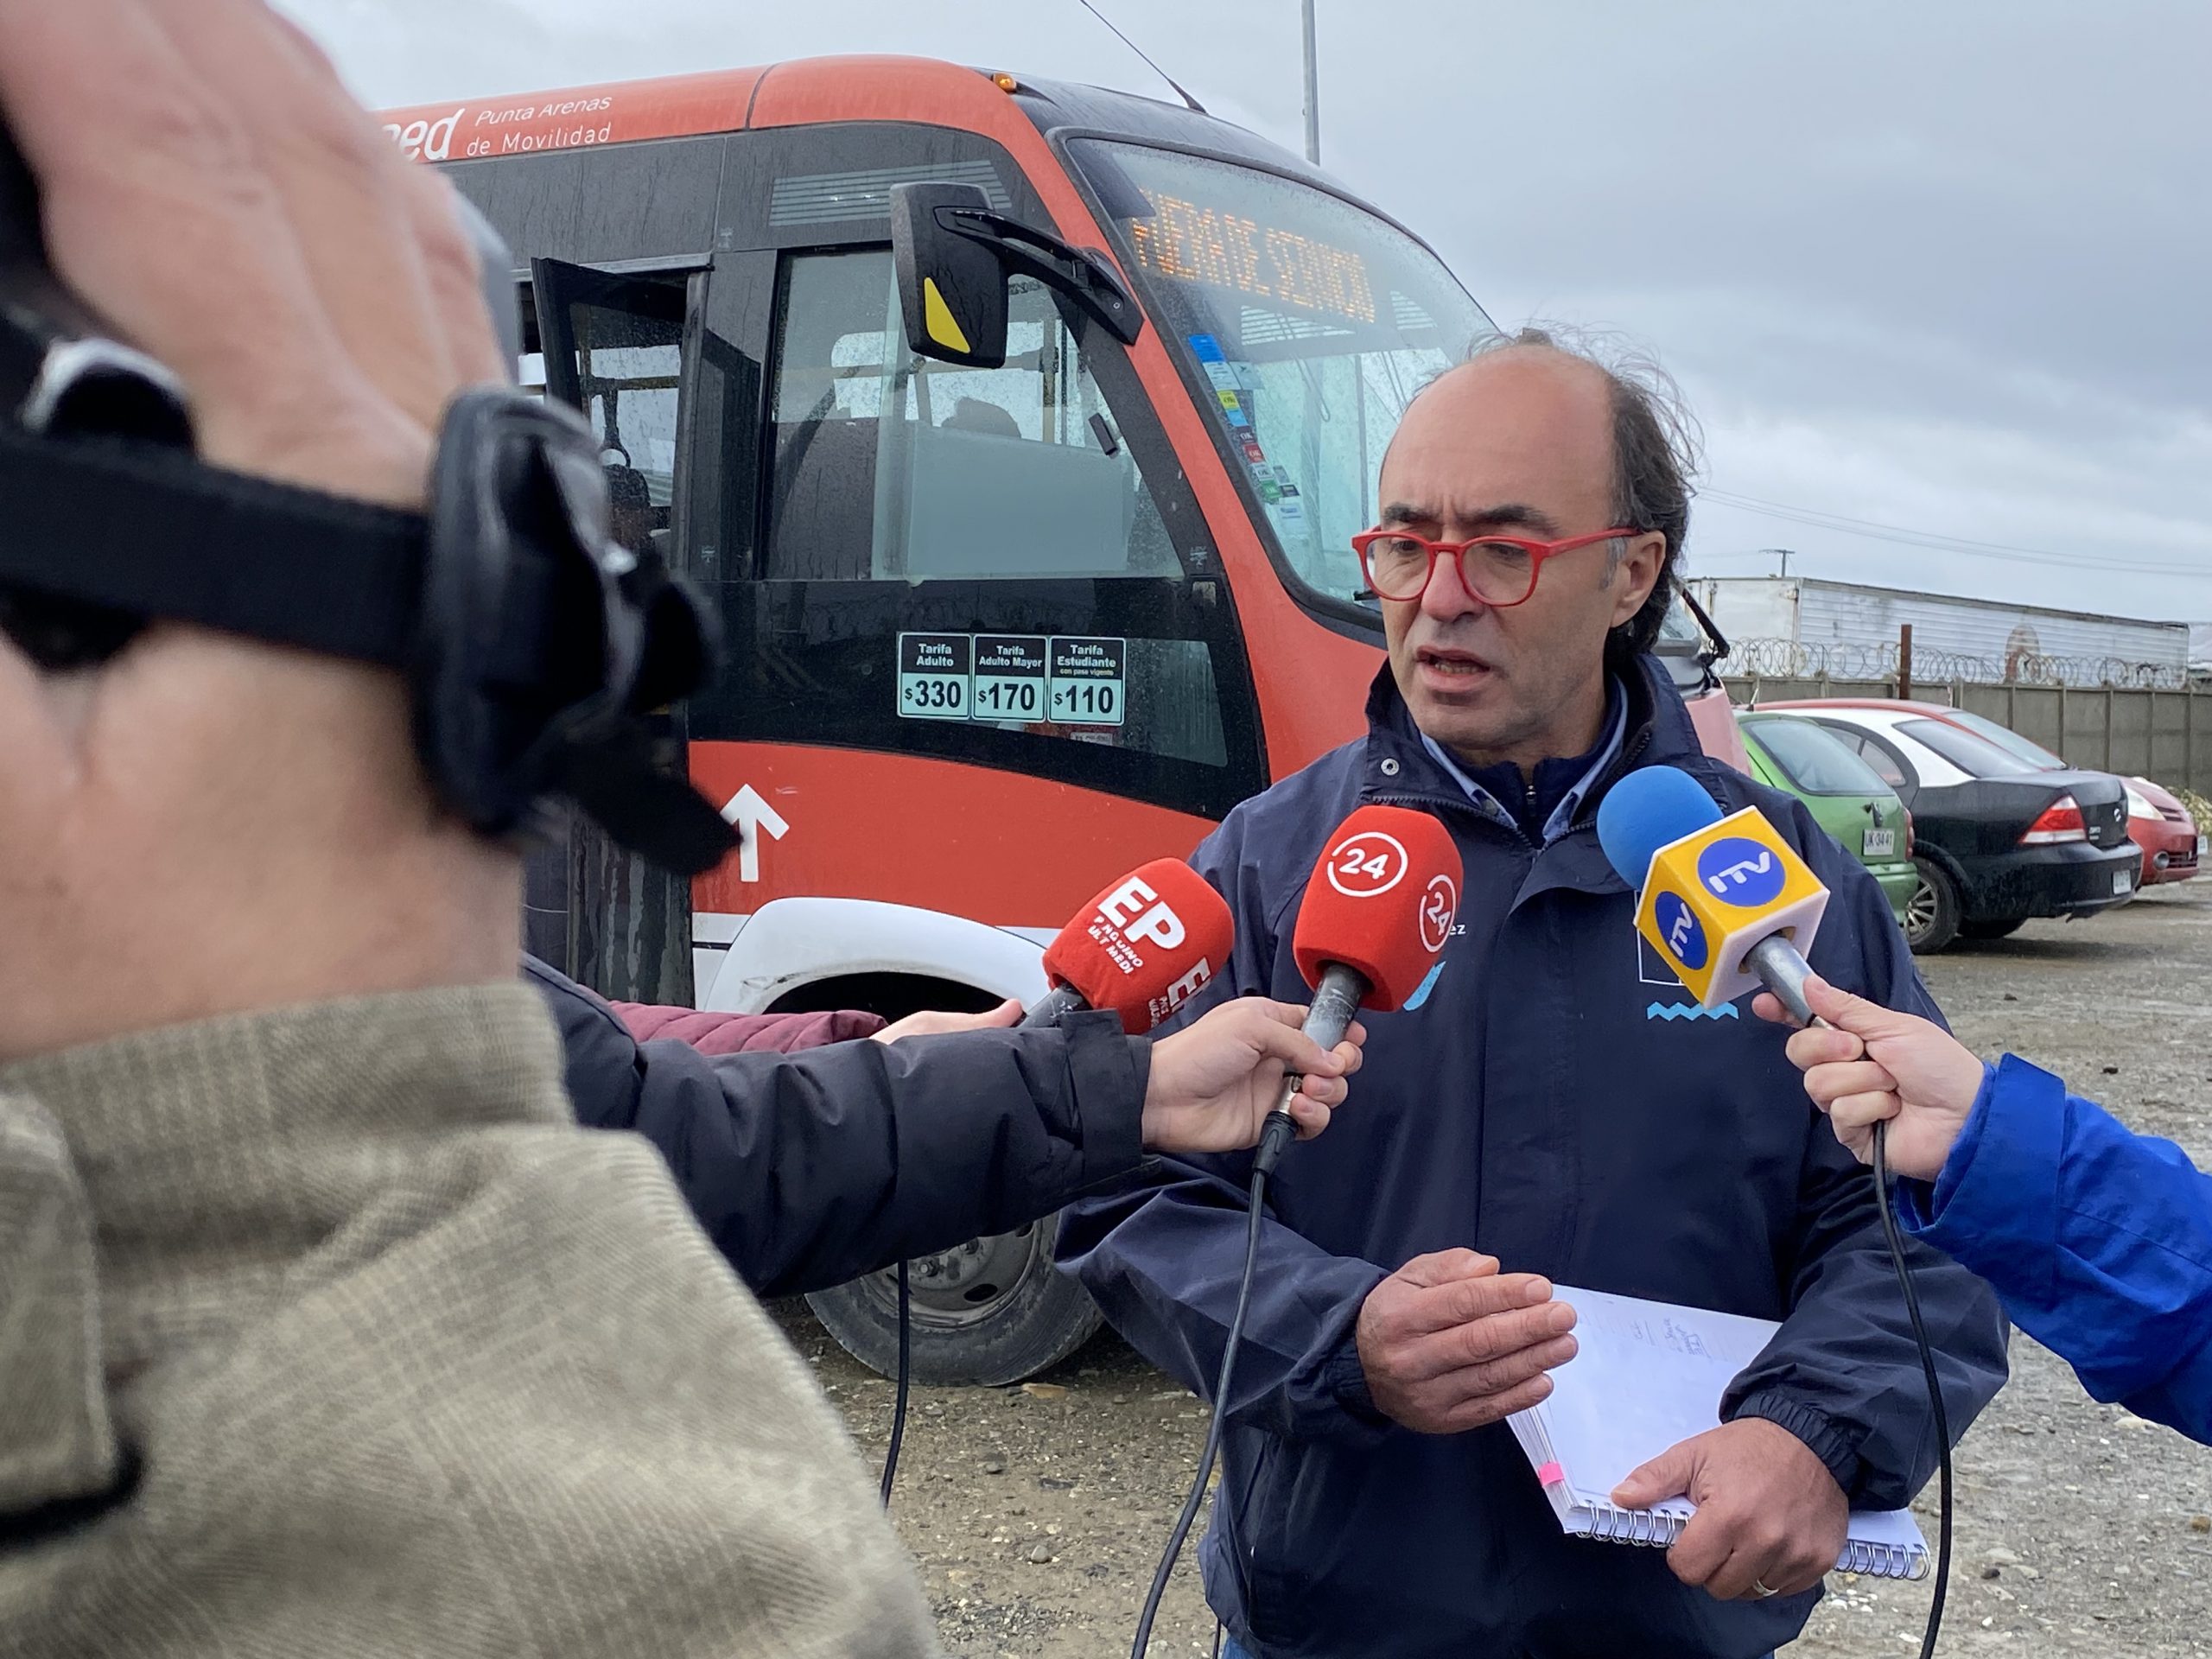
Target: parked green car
{"x": 1843, "y": 792}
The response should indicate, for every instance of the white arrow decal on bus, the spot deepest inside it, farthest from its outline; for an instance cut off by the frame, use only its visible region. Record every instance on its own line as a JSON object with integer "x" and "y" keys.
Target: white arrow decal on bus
{"x": 752, "y": 815}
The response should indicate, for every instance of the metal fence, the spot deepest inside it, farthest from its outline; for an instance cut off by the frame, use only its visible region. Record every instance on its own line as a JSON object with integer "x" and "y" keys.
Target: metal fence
{"x": 1787, "y": 659}
{"x": 2141, "y": 721}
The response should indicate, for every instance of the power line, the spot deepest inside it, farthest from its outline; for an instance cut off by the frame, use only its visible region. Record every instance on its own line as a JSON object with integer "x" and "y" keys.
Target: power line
{"x": 1909, "y": 537}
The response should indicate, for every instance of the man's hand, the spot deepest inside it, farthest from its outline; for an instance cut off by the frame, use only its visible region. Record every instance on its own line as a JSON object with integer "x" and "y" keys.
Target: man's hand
{"x": 1878, "y": 1065}
{"x": 1771, "y": 1519}
{"x": 1449, "y": 1343}
{"x": 930, "y": 1023}
{"x": 242, "y": 219}
{"x": 239, "y": 218}
{"x": 1214, "y": 1083}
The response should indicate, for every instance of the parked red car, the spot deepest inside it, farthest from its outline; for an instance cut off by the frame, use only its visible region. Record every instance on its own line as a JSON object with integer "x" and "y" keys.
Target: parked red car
{"x": 2172, "y": 843}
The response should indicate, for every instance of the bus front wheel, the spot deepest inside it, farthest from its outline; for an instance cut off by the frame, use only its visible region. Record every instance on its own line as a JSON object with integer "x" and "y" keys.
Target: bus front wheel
{"x": 990, "y": 1311}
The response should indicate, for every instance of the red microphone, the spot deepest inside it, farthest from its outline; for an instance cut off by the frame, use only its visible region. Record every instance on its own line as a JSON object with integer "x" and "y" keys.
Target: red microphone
{"x": 1143, "y": 947}
{"x": 1377, "y": 913}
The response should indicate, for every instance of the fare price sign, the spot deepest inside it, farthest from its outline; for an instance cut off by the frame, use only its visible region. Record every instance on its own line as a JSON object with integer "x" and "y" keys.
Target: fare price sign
{"x": 1090, "y": 681}
{"x": 1011, "y": 678}
{"x": 935, "y": 671}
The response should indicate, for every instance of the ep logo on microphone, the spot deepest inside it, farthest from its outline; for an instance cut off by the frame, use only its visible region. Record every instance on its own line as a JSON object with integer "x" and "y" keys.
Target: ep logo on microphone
{"x": 1712, "y": 895}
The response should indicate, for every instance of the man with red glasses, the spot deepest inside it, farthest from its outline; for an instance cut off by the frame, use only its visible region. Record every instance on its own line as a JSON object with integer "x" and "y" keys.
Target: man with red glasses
{"x": 1550, "y": 1107}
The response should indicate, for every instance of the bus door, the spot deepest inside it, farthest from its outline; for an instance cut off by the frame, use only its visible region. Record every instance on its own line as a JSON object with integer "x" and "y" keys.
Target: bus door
{"x": 621, "y": 346}
{"x": 983, "y": 655}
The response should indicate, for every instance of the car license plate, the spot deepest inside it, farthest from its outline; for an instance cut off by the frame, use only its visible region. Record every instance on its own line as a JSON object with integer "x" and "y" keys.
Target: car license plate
{"x": 1880, "y": 843}
{"x": 2123, "y": 881}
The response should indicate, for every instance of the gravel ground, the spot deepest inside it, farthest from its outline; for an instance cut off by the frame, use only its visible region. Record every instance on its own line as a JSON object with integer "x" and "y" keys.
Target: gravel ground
{"x": 1036, "y": 1514}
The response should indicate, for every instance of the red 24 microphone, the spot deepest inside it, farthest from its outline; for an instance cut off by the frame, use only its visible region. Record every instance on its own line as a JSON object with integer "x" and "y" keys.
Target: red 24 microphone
{"x": 1143, "y": 947}
{"x": 1377, "y": 914}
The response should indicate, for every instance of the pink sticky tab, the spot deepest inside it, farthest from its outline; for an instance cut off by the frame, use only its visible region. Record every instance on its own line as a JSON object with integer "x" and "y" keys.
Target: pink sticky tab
{"x": 1551, "y": 1475}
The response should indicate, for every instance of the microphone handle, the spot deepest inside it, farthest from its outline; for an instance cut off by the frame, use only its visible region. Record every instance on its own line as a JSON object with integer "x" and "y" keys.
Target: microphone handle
{"x": 1782, "y": 971}
{"x": 1336, "y": 999}
{"x": 1050, "y": 1008}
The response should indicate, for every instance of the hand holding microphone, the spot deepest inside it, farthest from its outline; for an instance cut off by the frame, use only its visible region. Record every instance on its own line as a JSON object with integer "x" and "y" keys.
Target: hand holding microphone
{"x": 1143, "y": 947}
{"x": 1377, "y": 914}
{"x": 1867, "y": 1064}
{"x": 1730, "y": 905}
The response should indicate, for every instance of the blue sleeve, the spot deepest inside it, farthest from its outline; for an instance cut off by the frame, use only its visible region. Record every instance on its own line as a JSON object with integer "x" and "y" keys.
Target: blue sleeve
{"x": 1843, "y": 1374}
{"x": 2099, "y": 1240}
{"x": 1163, "y": 1256}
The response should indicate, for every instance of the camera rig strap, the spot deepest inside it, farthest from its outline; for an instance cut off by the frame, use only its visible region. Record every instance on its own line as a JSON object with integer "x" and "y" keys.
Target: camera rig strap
{"x": 536, "y": 647}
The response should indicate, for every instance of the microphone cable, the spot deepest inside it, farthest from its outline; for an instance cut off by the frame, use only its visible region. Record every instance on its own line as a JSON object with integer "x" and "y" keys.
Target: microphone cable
{"x": 1279, "y": 1128}
{"x": 1895, "y": 1242}
{"x": 906, "y": 1377}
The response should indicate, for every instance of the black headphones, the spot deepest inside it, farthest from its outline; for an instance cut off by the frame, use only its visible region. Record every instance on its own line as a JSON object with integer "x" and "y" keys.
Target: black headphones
{"x": 536, "y": 646}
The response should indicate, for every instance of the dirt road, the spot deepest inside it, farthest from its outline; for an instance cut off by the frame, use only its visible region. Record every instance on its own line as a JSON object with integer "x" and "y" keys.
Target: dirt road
{"x": 1037, "y": 1515}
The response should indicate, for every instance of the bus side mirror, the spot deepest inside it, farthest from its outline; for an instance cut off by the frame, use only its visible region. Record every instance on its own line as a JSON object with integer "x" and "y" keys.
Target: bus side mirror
{"x": 952, "y": 285}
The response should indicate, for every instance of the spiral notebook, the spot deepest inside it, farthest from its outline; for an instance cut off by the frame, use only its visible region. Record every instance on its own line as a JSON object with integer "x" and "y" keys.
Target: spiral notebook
{"x": 1648, "y": 1375}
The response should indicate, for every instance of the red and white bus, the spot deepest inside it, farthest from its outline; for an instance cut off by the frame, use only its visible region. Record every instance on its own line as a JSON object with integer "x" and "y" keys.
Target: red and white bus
{"x": 996, "y": 633}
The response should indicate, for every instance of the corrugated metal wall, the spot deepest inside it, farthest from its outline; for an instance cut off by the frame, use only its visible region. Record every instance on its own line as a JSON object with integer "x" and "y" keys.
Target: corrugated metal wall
{"x": 1841, "y": 617}
{"x": 2165, "y": 736}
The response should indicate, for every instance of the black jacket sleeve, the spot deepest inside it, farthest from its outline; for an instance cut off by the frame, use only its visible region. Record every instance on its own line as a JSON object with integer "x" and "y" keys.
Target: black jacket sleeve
{"x": 810, "y": 1168}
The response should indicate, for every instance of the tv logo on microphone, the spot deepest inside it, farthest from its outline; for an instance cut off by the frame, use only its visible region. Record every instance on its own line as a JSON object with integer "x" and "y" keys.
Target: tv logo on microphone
{"x": 1740, "y": 872}
{"x": 1439, "y": 903}
{"x": 1133, "y": 915}
{"x": 1712, "y": 895}
{"x": 1367, "y": 865}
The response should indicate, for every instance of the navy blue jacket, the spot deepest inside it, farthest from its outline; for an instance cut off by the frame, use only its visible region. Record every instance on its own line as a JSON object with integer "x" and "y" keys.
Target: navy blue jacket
{"x": 2098, "y": 1240}
{"x": 811, "y": 1168}
{"x": 1557, "y": 1101}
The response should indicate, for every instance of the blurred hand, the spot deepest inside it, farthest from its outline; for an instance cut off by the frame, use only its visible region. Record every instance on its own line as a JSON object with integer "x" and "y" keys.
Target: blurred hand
{"x": 1769, "y": 1516}
{"x": 241, "y": 219}
{"x": 1449, "y": 1343}
{"x": 1879, "y": 1065}
{"x": 1214, "y": 1083}
{"x": 930, "y": 1023}
{"x": 205, "y": 824}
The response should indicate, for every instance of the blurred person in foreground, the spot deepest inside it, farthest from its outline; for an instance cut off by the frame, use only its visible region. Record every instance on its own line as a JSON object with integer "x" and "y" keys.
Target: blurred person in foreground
{"x": 2098, "y": 1240}
{"x": 326, "y": 1329}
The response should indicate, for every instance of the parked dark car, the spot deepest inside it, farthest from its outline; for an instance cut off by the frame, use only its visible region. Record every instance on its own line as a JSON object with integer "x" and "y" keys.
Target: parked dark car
{"x": 2173, "y": 842}
{"x": 1997, "y": 841}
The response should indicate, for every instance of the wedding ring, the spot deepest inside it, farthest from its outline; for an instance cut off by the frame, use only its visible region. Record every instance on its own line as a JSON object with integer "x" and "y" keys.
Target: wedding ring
{"x": 1761, "y": 1590}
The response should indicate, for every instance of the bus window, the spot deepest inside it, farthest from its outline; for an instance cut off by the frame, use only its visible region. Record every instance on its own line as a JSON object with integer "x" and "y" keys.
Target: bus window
{"x": 1304, "y": 326}
{"x": 974, "y": 563}
{"x": 891, "y": 467}
{"x": 627, "y": 372}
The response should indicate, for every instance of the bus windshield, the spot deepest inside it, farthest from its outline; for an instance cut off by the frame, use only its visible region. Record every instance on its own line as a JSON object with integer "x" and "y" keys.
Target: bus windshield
{"x": 1311, "y": 323}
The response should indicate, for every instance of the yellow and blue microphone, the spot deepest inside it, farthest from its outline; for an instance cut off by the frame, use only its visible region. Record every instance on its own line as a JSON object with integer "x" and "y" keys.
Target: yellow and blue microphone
{"x": 1726, "y": 901}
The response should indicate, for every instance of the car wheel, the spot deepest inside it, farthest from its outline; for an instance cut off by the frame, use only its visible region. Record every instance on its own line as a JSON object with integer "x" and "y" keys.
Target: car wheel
{"x": 1931, "y": 915}
{"x": 1991, "y": 929}
{"x": 990, "y": 1311}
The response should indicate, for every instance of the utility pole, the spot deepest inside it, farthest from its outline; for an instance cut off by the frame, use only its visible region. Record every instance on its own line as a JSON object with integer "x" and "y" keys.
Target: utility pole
{"x": 1312, "y": 88}
{"x": 1785, "y": 561}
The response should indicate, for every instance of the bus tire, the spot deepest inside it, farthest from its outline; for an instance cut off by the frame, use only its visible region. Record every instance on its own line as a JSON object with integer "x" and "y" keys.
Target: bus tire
{"x": 988, "y": 1312}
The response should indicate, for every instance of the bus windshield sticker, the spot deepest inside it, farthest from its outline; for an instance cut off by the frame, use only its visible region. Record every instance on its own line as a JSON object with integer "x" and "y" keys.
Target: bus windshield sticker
{"x": 934, "y": 671}
{"x": 1010, "y": 676}
{"x": 1090, "y": 681}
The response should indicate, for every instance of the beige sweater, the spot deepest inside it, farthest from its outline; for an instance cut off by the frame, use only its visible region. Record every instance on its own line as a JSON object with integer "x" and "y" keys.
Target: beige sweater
{"x": 404, "y": 1363}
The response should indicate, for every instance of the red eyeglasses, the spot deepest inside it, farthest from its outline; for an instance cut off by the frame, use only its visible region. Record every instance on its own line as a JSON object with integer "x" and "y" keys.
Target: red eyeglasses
{"x": 1497, "y": 571}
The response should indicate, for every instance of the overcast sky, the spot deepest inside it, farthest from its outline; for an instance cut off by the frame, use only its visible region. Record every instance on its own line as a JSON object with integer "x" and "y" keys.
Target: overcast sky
{"x": 1943, "y": 267}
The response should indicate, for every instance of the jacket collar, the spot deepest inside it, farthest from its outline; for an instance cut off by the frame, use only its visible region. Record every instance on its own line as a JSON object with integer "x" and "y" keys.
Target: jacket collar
{"x": 1398, "y": 769}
